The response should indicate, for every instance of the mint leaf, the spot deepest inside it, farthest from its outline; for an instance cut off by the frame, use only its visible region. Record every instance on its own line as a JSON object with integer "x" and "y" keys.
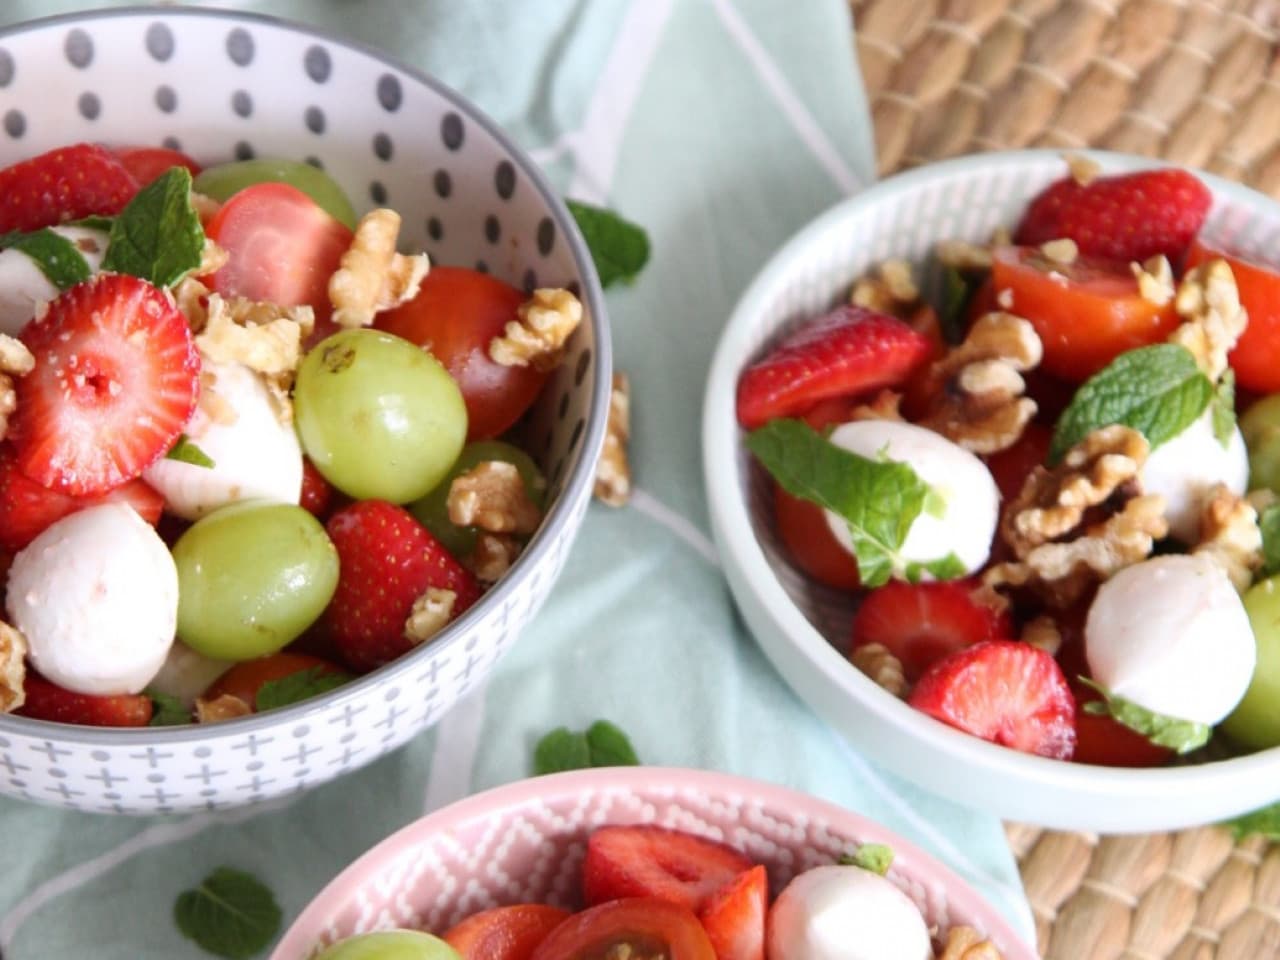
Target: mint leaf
{"x": 167, "y": 711}
{"x": 879, "y": 499}
{"x": 1269, "y": 523}
{"x": 158, "y": 236}
{"x": 609, "y": 746}
{"x": 1224, "y": 407}
{"x": 186, "y": 451}
{"x": 1158, "y": 391}
{"x": 619, "y": 248}
{"x": 299, "y": 686}
{"x": 956, "y": 294}
{"x": 231, "y": 914}
{"x": 1265, "y": 821}
{"x": 876, "y": 857}
{"x": 1180, "y": 736}
{"x": 561, "y": 749}
{"x": 94, "y": 221}
{"x": 58, "y": 258}
{"x": 949, "y": 567}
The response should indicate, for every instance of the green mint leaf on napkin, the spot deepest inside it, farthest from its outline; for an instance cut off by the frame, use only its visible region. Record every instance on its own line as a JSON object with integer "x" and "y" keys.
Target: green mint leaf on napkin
{"x": 231, "y": 914}
{"x": 187, "y": 452}
{"x": 602, "y": 745}
{"x": 879, "y": 499}
{"x": 1224, "y": 407}
{"x": 619, "y": 248}
{"x": 1158, "y": 391}
{"x": 57, "y": 258}
{"x": 167, "y": 711}
{"x": 1265, "y": 821}
{"x": 876, "y": 857}
{"x": 956, "y": 294}
{"x": 609, "y": 746}
{"x": 1269, "y": 523}
{"x": 158, "y": 236}
{"x": 1180, "y": 736}
{"x": 297, "y": 687}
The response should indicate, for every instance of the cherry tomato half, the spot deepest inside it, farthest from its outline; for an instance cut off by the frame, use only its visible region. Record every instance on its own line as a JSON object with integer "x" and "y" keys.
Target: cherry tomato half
{"x": 505, "y": 933}
{"x": 147, "y": 163}
{"x": 803, "y": 529}
{"x": 648, "y": 925}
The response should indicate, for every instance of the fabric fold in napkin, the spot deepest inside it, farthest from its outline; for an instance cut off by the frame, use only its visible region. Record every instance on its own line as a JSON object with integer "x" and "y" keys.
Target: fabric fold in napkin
{"x": 721, "y": 126}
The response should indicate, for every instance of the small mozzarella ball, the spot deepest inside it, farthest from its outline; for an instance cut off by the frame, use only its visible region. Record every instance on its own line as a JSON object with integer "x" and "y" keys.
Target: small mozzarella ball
{"x": 23, "y": 288}
{"x": 185, "y": 674}
{"x": 1171, "y": 634}
{"x": 96, "y": 595}
{"x": 1184, "y": 468}
{"x": 255, "y": 456}
{"x": 845, "y": 913}
{"x": 970, "y": 498}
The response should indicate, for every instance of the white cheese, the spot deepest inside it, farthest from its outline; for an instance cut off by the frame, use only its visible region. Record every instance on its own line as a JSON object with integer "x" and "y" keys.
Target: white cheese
{"x": 23, "y": 288}
{"x": 1184, "y": 468}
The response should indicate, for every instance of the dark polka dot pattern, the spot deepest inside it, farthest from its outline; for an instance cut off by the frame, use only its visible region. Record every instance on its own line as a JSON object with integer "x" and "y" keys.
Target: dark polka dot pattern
{"x": 378, "y": 193}
{"x": 382, "y": 148}
{"x": 504, "y": 179}
{"x": 546, "y": 236}
{"x": 173, "y": 143}
{"x": 389, "y": 93}
{"x": 452, "y": 131}
{"x": 435, "y": 230}
{"x": 313, "y": 117}
{"x": 78, "y": 48}
{"x": 315, "y": 162}
{"x": 482, "y": 266}
{"x": 530, "y": 281}
{"x": 159, "y": 42}
{"x": 166, "y": 99}
{"x": 243, "y": 150}
{"x": 89, "y": 106}
{"x": 15, "y": 124}
{"x": 241, "y": 103}
{"x": 492, "y": 229}
{"x": 240, "y": 47}
{"x": 443, "y": 184}
{"x": 6, "y": 68}
{"x": 317, "y": 63}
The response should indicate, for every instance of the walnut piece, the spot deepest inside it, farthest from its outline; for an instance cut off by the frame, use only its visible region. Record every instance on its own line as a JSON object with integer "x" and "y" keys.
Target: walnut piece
{"x": 879, "y": 663}
{"x": 1043, "y": 632}
{"x": 226, "y": 707}
{"x": 889, "y": 288}
{"x": 429, "y": 614}
{"x": 1229, "y": 535}
{"x": 212, "y": 259}
{"x": 982, "y": 407}
{"x": 962, "y": 255}
{"x": 13, "y": 670}
{"x": 1155, "y": 279}
{"x": 1213, "y": 319}
{"x": 491, "y": 496}
{"x": 371, "y": 275}
{"x": 492, "y": 556}
{"x": 613, "y": 472}
{"x": 205, "y": 206}
{"x": 966, "y": 943}
{"x": 1063, "y": 251}
{"x": 1083, "y": 170}
{"x": 15, "y": 361}
{"x": 546, "y": 321}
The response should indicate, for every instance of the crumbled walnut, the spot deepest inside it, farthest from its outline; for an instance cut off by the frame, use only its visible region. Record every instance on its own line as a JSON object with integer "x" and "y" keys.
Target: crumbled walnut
{"x": 212, "y": 259}
{"x": 1155, "y": 279}
{"x": 264, "y": 337}
{"x": 962, "y": 255}
{"x": 613, "y": 472}
{"x": 889, "y": 288}
{"x": 226, "y": 707}
{"x": 205, "y": 206}
{"x": 491, "y": 496}
{"x": 1043, "y": 632}
{"x": 1083, "y": 170}
{"x": 372, "y": 276}
{"x": 492, "y": 556}
{"x": 1209, "y": 304}
{"x": 993, "y": 600}
{"x": 546, "y": 321}
{"x": 191, "y": 296}
{"x": 885, "y": 405}
{"x": 13, "y": 671}
{"x": 1229, "y": 535}
{"x": 429, "y": 614}
{"x": 15, "y": 361}
{"x": 982, "y": 407}
{"x": 1004, "y": 299}
{"x": 966, "y": 943}
{"x": 1063, "y": 251}
{"x": 878, "y": 663}
{"x": 213, "y": 404}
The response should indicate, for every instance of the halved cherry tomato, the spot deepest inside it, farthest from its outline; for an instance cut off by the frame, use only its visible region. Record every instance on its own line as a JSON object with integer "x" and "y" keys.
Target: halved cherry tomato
{"x": 1256, "y": 358}
{"x": 1087, "y": 312}
{"x": 245, "y": 679}
{"x": 282, "y": 245}
{"x": 455, "y": 315}
{"x": 810, "y": 544}
{"x": 1103, "y": 741}
{"x": 505, "y": 933}
{"x": 646, "y": 924}
{"x": 147, "y": 163}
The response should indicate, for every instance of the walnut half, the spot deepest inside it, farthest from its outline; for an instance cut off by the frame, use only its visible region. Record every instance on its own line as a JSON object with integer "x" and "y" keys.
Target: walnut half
{"x": 966, "y": 943}
{"x": 1229, "y": 535}
{"x": 15, "y": 361}
{"x": 13, "y": 671}
{"x": 429, "y": 614}
{"x": 613, "y": 472}
{"x": 1209, "y": 304}
{"x": 545, "y": 322}
{"x": 371, "y": 275}
{"x": 491, "y": 496}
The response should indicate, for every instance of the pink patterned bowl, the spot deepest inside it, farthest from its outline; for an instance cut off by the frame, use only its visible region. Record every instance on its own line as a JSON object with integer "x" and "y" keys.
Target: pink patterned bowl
{"x": 525, "y": 842}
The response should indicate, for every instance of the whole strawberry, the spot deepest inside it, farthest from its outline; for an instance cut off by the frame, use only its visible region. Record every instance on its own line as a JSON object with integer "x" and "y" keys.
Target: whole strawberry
{"x": 61, "y": 185}
{"x": 1129, "y": 217}
{"x": 387, "y": 560}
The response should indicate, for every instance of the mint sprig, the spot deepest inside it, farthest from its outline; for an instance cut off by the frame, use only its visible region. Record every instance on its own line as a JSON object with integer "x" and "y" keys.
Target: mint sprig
{"x": 876, "y": 857}
{"x": 619, "y": 248}
{"x": 58, "y": 258}
{"x": 185, "y": 450}
{"x": 1224, "y": 407}
{"x": 231, "y": 914}
{"x": 1173, "y": 733}
{"x": 1269, "y": 524}
{"x": 297, "y": 687}
{"x": 601, "y": 745}
{"x": 167, "y": 711}
{"x": 1157, "y": 390}
{"x": 158, "y": 236}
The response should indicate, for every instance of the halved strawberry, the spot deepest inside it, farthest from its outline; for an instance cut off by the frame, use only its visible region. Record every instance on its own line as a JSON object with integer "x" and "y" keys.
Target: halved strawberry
{"x": 1005, "y": 691}
{"x": 61, "y": 185}
{"x": 650, "y": 861}
{"x": 387, "y": 560}
{"x": 115, "y": 381}
{"x": 48, "y": 701}
{"x": 734, "y": 916}
{"x": 921, "y": 623}
{"x": 316, "y": 492}
{"x": 848, "y": 351}
{"x": 1128, "y": 217}
{"x": 504, "y": 933}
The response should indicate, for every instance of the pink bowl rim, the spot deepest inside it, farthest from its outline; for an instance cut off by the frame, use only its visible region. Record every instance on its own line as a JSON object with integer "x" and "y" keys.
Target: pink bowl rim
{"x": 300, "y": 937}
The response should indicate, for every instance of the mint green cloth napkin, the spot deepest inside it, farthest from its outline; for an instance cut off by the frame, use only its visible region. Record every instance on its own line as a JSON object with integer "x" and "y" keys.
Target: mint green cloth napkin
{"x": 722, "y": 126}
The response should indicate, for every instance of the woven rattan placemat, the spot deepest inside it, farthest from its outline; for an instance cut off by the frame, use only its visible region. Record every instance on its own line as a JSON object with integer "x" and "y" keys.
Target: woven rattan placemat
{"x": 1192, "y": 81}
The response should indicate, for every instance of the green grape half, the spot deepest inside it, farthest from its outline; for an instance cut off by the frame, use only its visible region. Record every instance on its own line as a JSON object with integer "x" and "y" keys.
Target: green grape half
{"x": 251, "y": 577}
{"x": 1260, "y": 426}
{"x": 225, "y": 179}
{"x": 1255, "y": 722}
{"x": 390, "y": 945}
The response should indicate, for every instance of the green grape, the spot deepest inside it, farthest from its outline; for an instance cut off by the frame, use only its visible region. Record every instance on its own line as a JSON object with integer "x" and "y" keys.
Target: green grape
{"x": 432, "y": 510}
{"x": 1261, "y": 429}
{"x": 251, "y": 577}
{"x": 390, "y": 945}
{"x": 379, "y": 416}
{"x": 221, "y": 181}
{"x": 1255, "y": 722}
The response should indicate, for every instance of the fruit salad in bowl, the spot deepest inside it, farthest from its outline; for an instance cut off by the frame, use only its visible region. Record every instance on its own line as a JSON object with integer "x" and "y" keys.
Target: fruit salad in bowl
{"x": 284, "y": 466}
{"x": 984, "y": 424}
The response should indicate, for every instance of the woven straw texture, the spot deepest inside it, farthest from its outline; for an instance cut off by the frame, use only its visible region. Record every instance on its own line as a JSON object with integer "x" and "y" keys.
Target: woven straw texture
{"x": 1193, "y": 81}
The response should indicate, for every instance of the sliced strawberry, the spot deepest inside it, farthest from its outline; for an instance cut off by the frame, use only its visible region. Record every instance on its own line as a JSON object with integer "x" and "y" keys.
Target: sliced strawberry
{"x": 1004, "y": 691}
{"x": 48, "y": 701}
{"x": 848, "y": 351}
{"x": 1128, "y": 217}
{"x": 387, "y": 560}
{"x": 317, "y": 495}
{"x": 921, "y": 623}
{"x": 734, "y": 916}
{"x": 649, "y": 861}
{"x": 115, "y": 381}
{"x": 61, "y": 185}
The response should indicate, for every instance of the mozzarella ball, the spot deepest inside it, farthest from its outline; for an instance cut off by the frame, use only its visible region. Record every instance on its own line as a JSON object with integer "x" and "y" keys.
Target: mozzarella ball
{"x": 255, "y": 456}
{"x": 1171, "y": 634}
{"x": 23, "y": 288}
{"x": 96, "y": 595}
{"x": 185, "y": 674}
{"x": 845, "y": 913}
{"x": 970, "y": 499}
{"x": 1183, "y": 469}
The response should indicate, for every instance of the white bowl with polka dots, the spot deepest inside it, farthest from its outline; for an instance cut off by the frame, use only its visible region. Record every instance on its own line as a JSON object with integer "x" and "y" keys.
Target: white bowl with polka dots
{"x": 220, "y": 86}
